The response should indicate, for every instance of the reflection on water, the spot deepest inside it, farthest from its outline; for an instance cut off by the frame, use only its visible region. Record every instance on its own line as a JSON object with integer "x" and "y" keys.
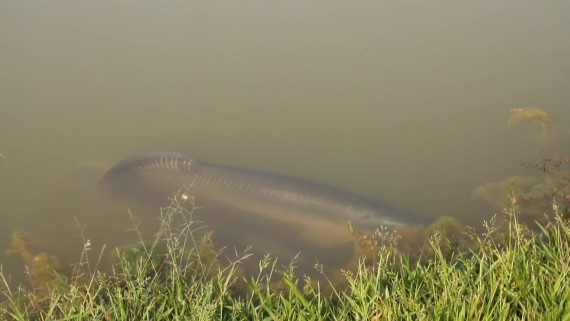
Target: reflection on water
{"x": 400, "y": 101}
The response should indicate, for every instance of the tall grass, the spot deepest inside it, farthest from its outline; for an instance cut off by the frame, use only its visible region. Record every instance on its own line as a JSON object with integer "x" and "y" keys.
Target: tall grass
{"x": 513, "y": 273}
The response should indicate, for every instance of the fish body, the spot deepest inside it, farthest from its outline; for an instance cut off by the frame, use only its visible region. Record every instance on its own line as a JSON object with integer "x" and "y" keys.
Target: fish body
{"x": 293, "y": 219}
{"x": 270, "y": 195}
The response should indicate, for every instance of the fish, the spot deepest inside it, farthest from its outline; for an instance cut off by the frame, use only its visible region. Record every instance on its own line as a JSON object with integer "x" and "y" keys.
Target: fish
{"x": 324, "y": 212}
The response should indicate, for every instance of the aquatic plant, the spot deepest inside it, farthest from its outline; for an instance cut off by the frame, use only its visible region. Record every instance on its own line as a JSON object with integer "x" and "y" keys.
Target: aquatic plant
{"x": 529, "y": 114}
{"x": 534, "y": 192}
{"x": 539, "y": 126}
{"x": 43, "y": 269}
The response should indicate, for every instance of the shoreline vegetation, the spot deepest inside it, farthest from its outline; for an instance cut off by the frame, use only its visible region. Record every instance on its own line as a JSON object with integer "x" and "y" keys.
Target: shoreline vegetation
{"x": 509, "y": 272}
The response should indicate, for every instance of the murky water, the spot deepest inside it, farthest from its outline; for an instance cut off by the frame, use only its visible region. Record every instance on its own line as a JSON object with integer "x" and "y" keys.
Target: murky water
{"x": 403, "y": 101}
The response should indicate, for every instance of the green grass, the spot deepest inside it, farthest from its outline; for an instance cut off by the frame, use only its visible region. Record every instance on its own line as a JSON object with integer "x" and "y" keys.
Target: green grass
{"x": 511, "y": 273}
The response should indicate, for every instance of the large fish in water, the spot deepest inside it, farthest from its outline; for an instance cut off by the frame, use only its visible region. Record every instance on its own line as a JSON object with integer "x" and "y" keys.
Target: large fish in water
{"x": 292, "y": 212}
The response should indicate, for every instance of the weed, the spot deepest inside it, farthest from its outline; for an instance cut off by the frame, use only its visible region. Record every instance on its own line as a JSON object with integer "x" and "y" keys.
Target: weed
{"x": 513, "y": 273}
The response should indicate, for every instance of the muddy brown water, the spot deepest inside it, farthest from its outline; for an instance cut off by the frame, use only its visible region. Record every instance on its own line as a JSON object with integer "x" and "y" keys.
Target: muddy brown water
{"x": 404, "y": 102}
